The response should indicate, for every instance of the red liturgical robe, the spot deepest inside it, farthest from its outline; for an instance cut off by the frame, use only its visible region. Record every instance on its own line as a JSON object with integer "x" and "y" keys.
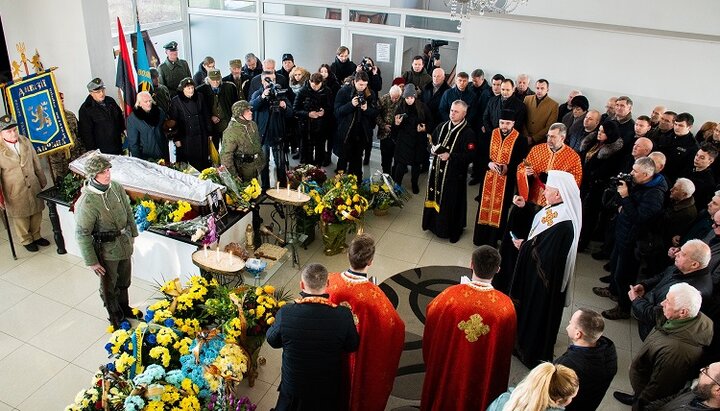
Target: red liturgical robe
{"x": 542, "y": 159}
{"x": 382, "y": 335}
{"x": 467, "y": 345}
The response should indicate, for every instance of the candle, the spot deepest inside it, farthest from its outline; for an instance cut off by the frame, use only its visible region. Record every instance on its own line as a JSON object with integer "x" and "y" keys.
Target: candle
{"x": 277, "y": 185}
{"x": 288, "y": 189}
{"x": 217, "y": 254}
{"x": 205, "y": 250}
{"x": 299, "y": 191}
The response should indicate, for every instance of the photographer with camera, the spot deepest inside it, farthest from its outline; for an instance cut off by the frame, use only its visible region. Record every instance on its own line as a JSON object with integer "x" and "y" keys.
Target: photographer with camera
{"x": 355, "y": 110}
{"x": 640, "y": 206}
{"x": 271, "y": 108}
{"x": 431, "y": 55}
{"x": 313, "y": 109}
{"x": 374, "y": 76}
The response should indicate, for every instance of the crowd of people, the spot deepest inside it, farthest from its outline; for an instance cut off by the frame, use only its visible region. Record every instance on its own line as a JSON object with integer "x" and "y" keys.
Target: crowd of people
{"x": 554, "y": 179}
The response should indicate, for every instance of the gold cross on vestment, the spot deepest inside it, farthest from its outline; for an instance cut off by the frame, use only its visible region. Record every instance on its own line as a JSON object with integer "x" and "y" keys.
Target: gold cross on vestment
{"x": 549, "y": 216}
{"x": 474, "y": 327}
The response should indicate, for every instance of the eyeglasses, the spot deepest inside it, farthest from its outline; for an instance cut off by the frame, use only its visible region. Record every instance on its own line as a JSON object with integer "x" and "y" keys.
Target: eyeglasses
{"x": 715, "y": 225}
{"x": 704, "y": 370}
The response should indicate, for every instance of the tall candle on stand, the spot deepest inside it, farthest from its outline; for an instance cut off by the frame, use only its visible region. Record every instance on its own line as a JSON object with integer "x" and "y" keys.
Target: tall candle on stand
{"x": 217, "y": 254}
{"x": 205, "y": 251}
{"x": 277, "y": 185}
{"x": 288, "y": 189}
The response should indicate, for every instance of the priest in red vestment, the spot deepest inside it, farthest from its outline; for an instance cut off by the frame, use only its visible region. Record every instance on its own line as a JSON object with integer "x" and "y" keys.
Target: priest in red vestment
{"x": 373, "y": 367}
{"x": 553, "y": 155}
{"x": 468, "y": 339}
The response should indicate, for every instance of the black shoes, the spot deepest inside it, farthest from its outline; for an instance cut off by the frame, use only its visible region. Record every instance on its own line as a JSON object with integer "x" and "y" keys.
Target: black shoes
{"x": 626, "y": 399}
{"x": 605, "y": 279}
{"x": 416, "y": 190}
{"x": 604, "y": 292}
{"x": 42, "y": 242}
{"x": 618, "y": 313}
{"x": 474, "y": 181}
{"x": 32, "y": 247}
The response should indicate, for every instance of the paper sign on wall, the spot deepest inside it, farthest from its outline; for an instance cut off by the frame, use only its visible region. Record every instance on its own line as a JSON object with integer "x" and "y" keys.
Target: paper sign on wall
{"x": 382, "y": 52}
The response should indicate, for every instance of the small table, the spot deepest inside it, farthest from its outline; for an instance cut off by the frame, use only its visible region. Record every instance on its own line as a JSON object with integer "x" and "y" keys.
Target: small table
{"x": 289, "y": 200}
{"x": 224, "y": 266}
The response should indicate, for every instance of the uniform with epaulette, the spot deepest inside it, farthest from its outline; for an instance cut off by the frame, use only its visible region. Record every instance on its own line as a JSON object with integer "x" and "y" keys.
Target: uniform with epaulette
{"x": 171, "y": 72}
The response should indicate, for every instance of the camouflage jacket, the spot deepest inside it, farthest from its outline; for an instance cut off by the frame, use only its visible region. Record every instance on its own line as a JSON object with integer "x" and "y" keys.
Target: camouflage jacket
{"x": 387, "y": 115}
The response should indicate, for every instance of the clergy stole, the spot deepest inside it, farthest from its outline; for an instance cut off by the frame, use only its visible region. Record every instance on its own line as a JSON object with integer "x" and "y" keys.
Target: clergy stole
{"x": 493, "y": 193}
{"x": 447, "y": 136}
{"x": 542, "y": 159}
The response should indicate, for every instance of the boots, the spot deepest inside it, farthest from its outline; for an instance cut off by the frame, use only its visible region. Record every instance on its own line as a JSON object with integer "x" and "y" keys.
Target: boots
{"x": 124, "y": 302}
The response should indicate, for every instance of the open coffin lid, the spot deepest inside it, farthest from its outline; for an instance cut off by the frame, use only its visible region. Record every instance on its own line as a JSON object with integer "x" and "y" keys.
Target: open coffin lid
{"x": 143, "y": 177}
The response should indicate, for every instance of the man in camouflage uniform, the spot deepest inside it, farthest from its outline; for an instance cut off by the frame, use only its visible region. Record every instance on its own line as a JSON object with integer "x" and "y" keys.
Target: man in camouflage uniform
{"x": 60, "y": 160}
{"x": 241, "y": 150}
{"x": 105, "y": 229}
{"x": 173, "y": 69}
{"x": 388, "y": 104}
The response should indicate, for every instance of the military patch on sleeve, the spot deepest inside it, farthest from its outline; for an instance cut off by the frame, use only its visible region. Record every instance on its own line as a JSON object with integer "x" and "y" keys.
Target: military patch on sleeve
{"x": 471, "y": 146}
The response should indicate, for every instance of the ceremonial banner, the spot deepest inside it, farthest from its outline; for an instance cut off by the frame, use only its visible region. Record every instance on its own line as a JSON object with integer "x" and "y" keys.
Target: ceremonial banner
{"x": 141, "y": 60}
{"x": 35, "y": 104}
{"x": 124, "y": 79}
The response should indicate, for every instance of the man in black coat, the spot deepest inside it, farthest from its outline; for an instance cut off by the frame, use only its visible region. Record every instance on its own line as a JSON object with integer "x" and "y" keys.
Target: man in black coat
{"x": 343, "y": 67}
{"x": 592, "y": 356}
{"x": 101, "y": 122}
{"x": 314, "y": 334}
{"x": 691, "y": 262}
{"x": 641, "y": 207}
{"x": 505, "y": 101}
{"x": 679, "y": 148}
{"x": 355, "y": 111}
{"x": 257, "y": 82}
{"x": 314, "y": 110}
{"x": 432, "y": 93}
{"x": 218, "y": 97}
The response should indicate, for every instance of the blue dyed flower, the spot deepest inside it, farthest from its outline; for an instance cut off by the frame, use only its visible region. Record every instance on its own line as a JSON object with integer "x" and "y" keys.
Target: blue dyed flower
{"x": 170, "y": 322}
{"x": 151, "y": 339}
{"x": 149, "y": 315}
{"x": 134, "y": 403}
{"x": 125, "y": 325}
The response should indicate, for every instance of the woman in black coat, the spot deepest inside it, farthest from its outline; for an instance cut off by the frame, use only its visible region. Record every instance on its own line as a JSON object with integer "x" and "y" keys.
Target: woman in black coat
{"x": 313, "y": 109}
{"x": 331, "y": 83}
{"x": 193, "y": 123}
{"x": 410, "y": 130}
{"x": 601, "y": 157}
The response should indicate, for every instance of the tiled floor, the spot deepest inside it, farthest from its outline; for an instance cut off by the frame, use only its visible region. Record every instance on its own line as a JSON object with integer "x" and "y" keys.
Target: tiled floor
{"x": 52, "y": 323}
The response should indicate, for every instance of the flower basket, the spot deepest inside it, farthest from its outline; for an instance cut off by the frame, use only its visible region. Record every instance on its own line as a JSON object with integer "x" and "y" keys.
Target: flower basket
{"x": 305, "y": 224}
{"x": 334, "y": 237}
{"x": 381, "y": 211}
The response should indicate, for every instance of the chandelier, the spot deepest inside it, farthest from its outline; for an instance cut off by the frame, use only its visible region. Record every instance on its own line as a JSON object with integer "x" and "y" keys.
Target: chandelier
{"x": 461, "y": 9}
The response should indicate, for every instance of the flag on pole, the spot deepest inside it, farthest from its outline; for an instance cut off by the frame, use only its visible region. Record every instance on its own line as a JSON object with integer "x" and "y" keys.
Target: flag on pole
{"x": 142, "y": 65}
{"x": 124, "y": 79}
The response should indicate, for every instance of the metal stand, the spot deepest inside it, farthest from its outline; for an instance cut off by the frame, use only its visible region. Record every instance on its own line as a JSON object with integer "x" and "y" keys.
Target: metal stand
{"x": 57, "y": 230}
{"x": 288, "y": 230}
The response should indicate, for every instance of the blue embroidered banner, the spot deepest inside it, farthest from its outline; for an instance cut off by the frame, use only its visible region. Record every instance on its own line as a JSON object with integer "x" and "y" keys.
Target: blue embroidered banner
{"x": 34, "y": 102}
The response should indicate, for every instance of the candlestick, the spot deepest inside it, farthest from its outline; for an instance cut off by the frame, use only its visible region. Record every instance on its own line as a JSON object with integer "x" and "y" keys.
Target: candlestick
{"x": 205, "y": 251}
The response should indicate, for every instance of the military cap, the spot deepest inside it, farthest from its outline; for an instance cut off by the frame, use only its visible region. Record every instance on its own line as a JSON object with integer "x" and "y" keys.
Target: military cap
{"x": 239, "y": 108}
{"x": 172, "y": 46}
{"x": 184, "y": 82}
{"x": 287, "y": 56}
{"x": 236, "y": 63}
{"x": 215, "y": 75}
{"x": 96, "y": 165}
{"x": 7, "y": 122}
{"x": 95, "y": 84}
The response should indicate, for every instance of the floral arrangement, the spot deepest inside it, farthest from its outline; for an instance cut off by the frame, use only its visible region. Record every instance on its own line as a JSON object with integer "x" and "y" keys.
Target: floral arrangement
{"x": 187, "y": 354}
{"x": 239, "y": 194}
{"x": 383, "y": 192}
{"x": 69, "y": 187}
{"x": 341, "y": 201}
{"x": 307, "y": 175}
{"x": 182, "y": 167}
{"x": 149, "y": 213}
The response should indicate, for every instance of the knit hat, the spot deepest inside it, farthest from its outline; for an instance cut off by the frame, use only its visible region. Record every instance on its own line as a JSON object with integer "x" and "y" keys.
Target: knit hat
{"x": 611, "y": 130}
{"x": 580, "y": 101}
{"x": 409, "y": 91}
{"x": 239, "y": 108}
{"x": 398, "y": 81}
{"x": 96, "y": 165}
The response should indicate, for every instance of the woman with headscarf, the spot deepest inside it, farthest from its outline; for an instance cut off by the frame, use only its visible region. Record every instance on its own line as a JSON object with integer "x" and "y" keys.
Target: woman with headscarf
{"x": 410, "y": 129}
{"x": 193, "y": 123}
{"x": 601, "y": 156}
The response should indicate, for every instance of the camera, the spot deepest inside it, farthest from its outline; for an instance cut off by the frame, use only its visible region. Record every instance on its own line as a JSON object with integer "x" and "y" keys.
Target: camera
{"x": 626, "y": 177}
{"x": 361, "y": 99}
{"x": 436, "y": 44}
{"x": 366, "y": 65}
{"x": 274, "y": 91}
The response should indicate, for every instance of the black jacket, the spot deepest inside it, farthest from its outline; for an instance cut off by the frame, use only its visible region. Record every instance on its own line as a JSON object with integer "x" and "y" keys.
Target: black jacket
{"x": 647, "y": 309}
{"x": 314, "y": 338}
{"x": 680, "y": 152}
{"x": 432, "y": 101}
{"x": 200, "y": 74}
{"x": 411, "y": 145}
{"x": 270, "y": 121}
{"x": 640, "y": 210}
{"x": 101, "y": 125}
{"x": 495, "y": 106}
{"x": 308, "y": 100}
{"x": 348, "y": 115}
{"x": 282, "y": 81}
{"x": 227, "y": 96}
{"x": 595, "y": 367}
{"x": 343, "y": 70}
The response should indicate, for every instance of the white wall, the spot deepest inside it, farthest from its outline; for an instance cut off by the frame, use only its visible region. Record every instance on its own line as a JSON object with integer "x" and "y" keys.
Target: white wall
{"x": 73, "y": 35}
{"x": 673, "y": 71}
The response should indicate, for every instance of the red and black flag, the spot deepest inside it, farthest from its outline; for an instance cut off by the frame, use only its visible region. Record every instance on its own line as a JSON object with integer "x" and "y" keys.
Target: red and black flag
{"x": 124, "y": 79}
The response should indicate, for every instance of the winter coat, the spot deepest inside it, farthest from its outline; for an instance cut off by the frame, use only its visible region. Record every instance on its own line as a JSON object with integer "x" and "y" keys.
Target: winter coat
{"x": 193, "y": 123}
{"x": 386, "y": 115}
{"x": 97, "y": 212}
{"x": 595, "y": 367}
{"x": 145, "y": 136}
{"x": 21, "y": 179}
{"x": 308, "y": 100}
{"x": 452, "y": 94}
{"x": 640, "y": 210}
{"x": 171, "y": 74}
{"x": 271, "y": 123}
{"x": 539, "y": 117}
{"x": 348, "y": 115}
{"x": 432, "y": 101}
{"x": 343, "y": 70}
{"x": 685, "y": 400}
{"x": 599, "y": 166}
{"x": 200, "y": 75}
{"x": 491, "y": 117}
{"x": 411, "y": 145}
{"x": 241, "y": 152}
{"x": 679, "y": 152}
{"x": 101, "y": 126}
{"x": 227, "y": 96}
{"x": 647, "y": 309}
{"x": 669, "y": 357}
{"x": 420, "y": 80}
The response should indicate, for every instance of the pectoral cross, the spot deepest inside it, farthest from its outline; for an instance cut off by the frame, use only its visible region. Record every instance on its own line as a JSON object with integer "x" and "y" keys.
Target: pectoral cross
{"x": 550, "y": 215}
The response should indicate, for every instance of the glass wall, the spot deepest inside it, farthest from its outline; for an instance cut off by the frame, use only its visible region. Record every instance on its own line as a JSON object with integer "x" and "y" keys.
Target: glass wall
{"x": 223, "y": 38}
{"x": 309, "y": 45}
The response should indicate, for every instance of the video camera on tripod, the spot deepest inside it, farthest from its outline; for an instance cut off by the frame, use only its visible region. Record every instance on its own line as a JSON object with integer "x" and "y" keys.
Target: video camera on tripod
{"x": 274, "y": 93}
{"x": 435, "y": 47}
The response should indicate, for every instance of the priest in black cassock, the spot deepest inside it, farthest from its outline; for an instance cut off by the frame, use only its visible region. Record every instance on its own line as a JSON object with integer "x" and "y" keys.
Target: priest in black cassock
{"x": 453, "y": 148}
{"x": 545, "y": 268}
